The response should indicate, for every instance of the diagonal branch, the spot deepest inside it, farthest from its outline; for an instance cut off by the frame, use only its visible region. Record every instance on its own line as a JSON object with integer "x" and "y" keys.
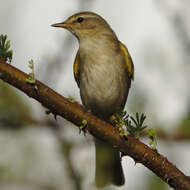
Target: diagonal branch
{"x": 75, "y": 113}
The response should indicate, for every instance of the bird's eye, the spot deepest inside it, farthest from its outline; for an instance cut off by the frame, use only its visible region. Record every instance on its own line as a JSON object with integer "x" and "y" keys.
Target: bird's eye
{"x": 80, "y": 19}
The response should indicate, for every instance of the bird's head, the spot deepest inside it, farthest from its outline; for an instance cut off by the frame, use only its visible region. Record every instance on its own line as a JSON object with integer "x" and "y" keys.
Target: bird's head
{"x": 86, "y": 25}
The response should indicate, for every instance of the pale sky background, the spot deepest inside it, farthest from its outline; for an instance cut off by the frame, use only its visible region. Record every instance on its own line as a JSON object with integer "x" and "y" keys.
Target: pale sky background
{"x": 138, "y": 24}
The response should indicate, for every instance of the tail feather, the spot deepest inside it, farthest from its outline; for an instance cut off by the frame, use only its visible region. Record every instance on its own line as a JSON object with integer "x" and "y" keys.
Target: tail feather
{"x": 108, "y": 165}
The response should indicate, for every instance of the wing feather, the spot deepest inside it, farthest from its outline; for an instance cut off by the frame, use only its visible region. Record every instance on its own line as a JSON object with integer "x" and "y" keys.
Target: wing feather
{"x": 76, "y": 69}
{"x": 128, "y": 60}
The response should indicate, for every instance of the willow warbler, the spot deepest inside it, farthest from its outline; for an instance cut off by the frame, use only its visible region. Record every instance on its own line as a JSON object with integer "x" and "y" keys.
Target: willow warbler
{"x": 103, "y": 70}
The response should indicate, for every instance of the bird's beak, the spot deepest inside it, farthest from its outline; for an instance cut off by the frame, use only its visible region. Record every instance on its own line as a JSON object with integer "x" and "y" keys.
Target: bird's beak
{"x": 61, "y": 25}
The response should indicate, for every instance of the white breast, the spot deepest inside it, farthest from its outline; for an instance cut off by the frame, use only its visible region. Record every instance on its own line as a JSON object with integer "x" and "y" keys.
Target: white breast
{"x": 103, "y": 82}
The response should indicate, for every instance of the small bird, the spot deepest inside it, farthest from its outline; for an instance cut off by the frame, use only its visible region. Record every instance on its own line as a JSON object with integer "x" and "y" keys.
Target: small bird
{"x": 103, "y": 70}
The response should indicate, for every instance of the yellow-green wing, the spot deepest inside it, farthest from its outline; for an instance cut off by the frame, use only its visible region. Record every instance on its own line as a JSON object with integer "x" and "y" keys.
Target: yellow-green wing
{"x": 128, "y": 60}
{"x": 76, "y": 69}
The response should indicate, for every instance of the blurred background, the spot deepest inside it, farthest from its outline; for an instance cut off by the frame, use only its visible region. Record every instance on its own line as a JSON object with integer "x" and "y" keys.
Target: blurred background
{"x": 37, "y": 152}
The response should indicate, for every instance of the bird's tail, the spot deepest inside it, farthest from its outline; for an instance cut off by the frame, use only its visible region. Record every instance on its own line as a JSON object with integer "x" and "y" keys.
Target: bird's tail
{"x": 108, "y": 165}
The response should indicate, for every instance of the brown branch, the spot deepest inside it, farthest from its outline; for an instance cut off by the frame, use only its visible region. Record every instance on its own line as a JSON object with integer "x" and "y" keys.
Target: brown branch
{"x": 76, "y": 114}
